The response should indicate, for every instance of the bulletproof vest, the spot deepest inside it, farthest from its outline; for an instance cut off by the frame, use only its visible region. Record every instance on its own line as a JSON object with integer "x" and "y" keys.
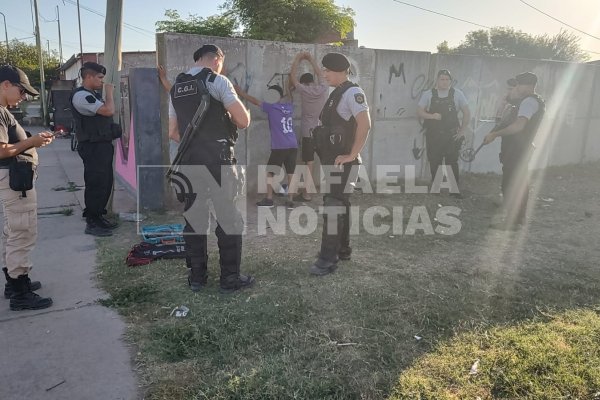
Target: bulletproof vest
{"x": 335, "y": 123}
{"x": 515, "y": 145}
{"x": 96, "y": 128}
{"x": 447, "y": 108}
{"x": 216, "y": 129}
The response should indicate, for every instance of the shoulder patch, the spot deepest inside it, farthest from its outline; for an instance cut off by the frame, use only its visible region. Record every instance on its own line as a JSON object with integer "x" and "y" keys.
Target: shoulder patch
{"x": 90, "y": 99}
{"x": 359, "y": 98}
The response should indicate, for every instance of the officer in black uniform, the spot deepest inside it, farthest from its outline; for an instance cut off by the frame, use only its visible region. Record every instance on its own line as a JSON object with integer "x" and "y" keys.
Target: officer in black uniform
{"x": 344, "y": 127}
{"x": 517, "y": 136}
{"x": 95, "y": 132}
{"x": 444, "y": 133}
{"x": 210, "y": 147}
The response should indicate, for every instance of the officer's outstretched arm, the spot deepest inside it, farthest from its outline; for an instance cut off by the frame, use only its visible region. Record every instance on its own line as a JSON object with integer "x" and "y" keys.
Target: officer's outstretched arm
{"x": 239, "y": 114}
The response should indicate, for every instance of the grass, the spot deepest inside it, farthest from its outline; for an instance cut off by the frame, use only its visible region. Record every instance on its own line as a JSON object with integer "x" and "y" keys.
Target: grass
{"x": 553, "y": 358}
{"x": 351, "y": 335}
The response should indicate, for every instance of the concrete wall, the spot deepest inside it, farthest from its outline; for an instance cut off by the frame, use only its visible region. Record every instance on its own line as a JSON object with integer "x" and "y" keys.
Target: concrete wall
{"x": 393, "y": 82}
{"x": 129, "y": 60}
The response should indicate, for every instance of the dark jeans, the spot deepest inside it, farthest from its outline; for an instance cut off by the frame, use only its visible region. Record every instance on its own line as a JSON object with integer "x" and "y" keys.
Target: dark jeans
{"x": 442, "y": 149}
{"x": 331, "y": 243}
{"x": 98, "y": 176}
{"x": 229, "y": 226}
{"x": 515, "y": 187}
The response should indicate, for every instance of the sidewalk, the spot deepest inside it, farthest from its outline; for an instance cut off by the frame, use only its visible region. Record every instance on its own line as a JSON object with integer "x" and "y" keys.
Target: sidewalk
{"x": 74, "y": 349}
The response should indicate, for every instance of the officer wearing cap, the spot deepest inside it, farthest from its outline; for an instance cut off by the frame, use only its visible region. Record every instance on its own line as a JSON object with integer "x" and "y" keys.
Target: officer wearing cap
{"x": 517, "y": 146}
{"x": 439, "y": 108}
{"x": 95, "y": 132}
{"x": 211, "y": 147}
{"x": 344, "y": 127}
{"x": 20, "y": 208}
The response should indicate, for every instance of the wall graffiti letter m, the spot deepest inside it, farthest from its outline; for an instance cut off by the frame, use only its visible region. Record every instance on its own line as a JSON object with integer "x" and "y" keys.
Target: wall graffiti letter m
{"x": 397, "y": 72}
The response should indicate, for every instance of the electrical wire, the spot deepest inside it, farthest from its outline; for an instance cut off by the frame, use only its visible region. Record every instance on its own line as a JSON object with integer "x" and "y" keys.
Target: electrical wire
{"x": 442, "y": 14}
{"x": 134, "y": 28}
{"x": 558, "y": 20}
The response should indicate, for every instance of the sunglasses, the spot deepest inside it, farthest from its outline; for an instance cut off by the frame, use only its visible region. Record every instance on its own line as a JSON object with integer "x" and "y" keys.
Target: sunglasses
{"x": 22, "y": 90}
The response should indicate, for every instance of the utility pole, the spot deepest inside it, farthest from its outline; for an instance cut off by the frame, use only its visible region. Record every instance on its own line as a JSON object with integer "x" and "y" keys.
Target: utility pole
{"x": 112, "y": 58}
{"x": 42, "y": 77}
{"x": 80, "y": 41}
{"x": 6, "y": 58}
{"x": 59, "y": 37}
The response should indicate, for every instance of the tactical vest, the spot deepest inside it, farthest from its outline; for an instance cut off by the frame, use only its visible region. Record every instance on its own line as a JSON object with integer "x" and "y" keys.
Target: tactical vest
{"x": 96, "y": 128}
{"x": 447, "y": 108}
{"x": 214, "y": 140}
{"x": 514, "y": 146}
{"x": 336, "y": 135}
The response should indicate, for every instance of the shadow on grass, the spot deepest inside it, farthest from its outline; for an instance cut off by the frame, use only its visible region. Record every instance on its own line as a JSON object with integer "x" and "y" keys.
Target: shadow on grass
{"x": 351, "y": 334}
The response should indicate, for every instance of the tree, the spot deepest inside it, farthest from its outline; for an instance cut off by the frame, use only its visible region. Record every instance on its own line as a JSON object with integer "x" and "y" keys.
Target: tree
{"x": 301, "y": 21}
{"x": 25, "y": 56}
{"x": 508, "y": 42}
{"x": 215, "y": 25}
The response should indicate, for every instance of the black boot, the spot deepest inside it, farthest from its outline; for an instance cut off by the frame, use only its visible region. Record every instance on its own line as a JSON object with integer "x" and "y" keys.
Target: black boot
{"x": 35, "y": 285}
{"x": 93, "y": 227}
{"x": 23, "y": 298}
{"x": 197, "y": 274}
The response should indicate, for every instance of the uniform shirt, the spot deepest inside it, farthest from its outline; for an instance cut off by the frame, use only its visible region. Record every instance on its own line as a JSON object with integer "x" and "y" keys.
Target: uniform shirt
{"x": 352, "y": 103}
{"x": 281, "y": 125}
{"x": 528, "y": 108}
{"x": 86, "y": 103}
{"x": 313, "y": 98}
{"x": 221, "y": 89}
{"x": 10, "y": 129}
{"x": 460, "y": 101}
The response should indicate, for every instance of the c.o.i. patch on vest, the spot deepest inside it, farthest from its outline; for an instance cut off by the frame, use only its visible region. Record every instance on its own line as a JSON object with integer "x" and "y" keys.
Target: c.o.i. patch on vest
{"x": 359, "y": 98}
{"x": 183, "y": 89}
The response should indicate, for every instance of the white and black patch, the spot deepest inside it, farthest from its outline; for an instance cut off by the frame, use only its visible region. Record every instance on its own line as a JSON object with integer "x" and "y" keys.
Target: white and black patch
{"x": 183, "y": 89}
{"x": 90, "y": 99}
{"x": 359, "y": 98}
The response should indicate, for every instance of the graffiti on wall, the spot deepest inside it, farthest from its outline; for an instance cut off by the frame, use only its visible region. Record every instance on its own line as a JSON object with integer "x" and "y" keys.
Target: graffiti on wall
{"x": 239, "y": 75}
{"x": 397, "y": 73}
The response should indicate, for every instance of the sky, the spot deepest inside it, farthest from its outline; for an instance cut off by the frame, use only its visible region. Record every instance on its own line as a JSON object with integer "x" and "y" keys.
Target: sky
{"x": 380, "y": 24}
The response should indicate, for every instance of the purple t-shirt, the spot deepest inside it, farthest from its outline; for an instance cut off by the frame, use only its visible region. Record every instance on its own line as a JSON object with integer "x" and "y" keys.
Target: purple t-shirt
{"x": 281, "y": 125}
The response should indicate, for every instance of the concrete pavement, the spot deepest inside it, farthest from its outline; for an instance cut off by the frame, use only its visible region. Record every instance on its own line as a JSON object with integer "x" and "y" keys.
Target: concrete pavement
{"x": 74, "y": 349}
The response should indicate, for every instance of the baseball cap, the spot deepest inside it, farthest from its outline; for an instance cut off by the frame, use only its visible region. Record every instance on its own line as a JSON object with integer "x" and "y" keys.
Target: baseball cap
{"x": 94, "y": 67}
{"x": 15, "y": 75}
{"x": 526, "y": 78}
{"x": 336, "y": 62}
{"x": 444, "y": 72}
{"x": 207, "y": 48}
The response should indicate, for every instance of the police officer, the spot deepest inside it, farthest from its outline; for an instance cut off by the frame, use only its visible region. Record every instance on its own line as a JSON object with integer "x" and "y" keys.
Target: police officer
{"x": 20, "y": 208}
{"x": 211, "y": 147}
{"x": 345, "y": 124}
{"x": 517, "y": 146}
{"x": 95, "y": 131}
{"x": 444, "y": 133}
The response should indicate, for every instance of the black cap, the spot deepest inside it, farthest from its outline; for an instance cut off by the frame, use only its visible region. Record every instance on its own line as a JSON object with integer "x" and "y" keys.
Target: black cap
{"x": 15, "y": 75}
{"x": 336, "y": 62}
{"x": 207, "y": 48}
{"x": 94, "y": 67}
{"x": 444, "y": 72}
{"x": 526, "y": 78}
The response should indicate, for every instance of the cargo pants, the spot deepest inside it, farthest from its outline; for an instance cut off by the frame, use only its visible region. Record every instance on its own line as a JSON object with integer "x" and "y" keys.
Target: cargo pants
{"x": 20, "y": 227}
